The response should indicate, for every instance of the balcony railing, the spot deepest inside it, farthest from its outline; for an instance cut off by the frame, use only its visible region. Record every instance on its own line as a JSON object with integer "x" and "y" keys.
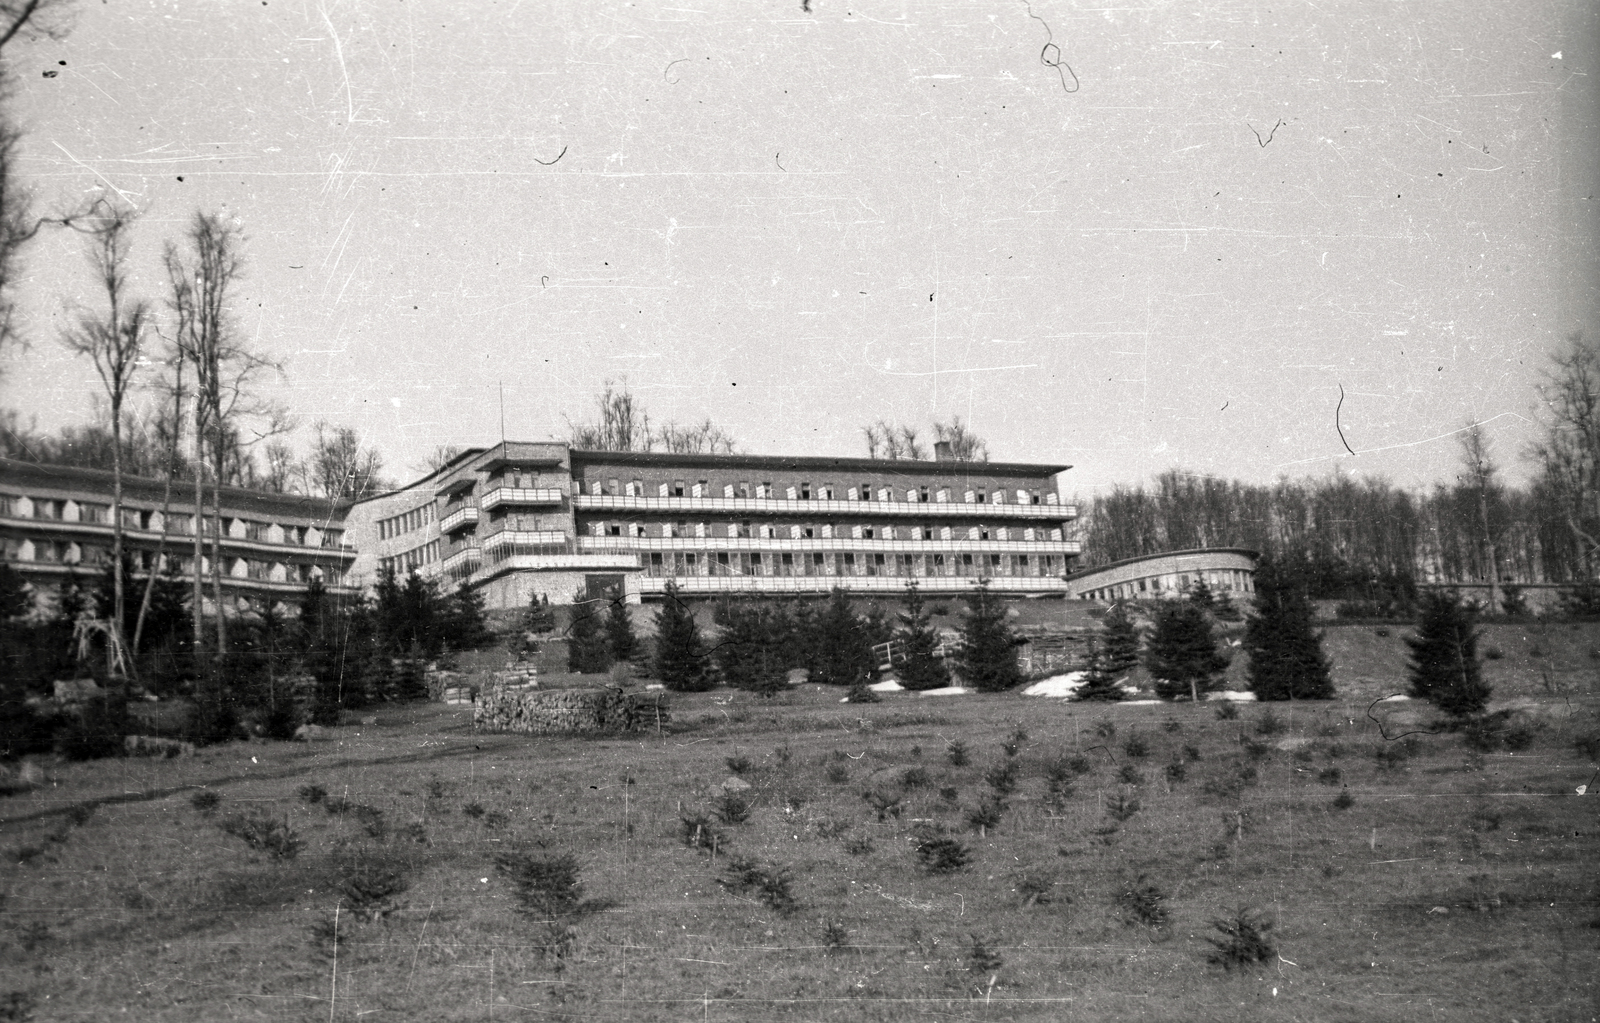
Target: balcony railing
{"x": 520, "y": 496}
{"x": 464, "y": 515}
{"x": 811, "y": 544}
{"x": 826, "y": 509}
{"x": 821, "y": 584}
{"x": 458, "y": 556}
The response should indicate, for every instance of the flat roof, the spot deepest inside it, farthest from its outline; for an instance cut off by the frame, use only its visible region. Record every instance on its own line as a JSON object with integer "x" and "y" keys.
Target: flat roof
{"x": 98, "y": 482}
{"x": 1247, "y": 552}
{"x": 890, "y": 466}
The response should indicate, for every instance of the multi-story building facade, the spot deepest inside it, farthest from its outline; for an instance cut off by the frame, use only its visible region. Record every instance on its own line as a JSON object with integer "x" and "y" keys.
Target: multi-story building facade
{"x": 521, "y": 519}
{"x": 55, "y": 525}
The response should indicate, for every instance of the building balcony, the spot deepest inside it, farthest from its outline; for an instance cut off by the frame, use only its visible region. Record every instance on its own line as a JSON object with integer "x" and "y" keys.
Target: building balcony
{"x": 144, "y": 538}
{"x": 826, "y": 509}
{"x": 522, "y": 497}
{"x": 458, "y": 558}
{"x": 509, "y": 542}
{"x": 808, "y": 545}
{"x": 459, "y": 518}
{"x": 820, "y": 585}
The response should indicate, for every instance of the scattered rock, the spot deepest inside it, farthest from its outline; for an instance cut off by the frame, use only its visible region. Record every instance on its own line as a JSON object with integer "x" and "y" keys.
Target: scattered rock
{"x": 731, "y": 784}
{"x": 311, "y": 733}
{"x": 155, "y": 746}
{"x": 1442, "y": 911}
{"x": 76, "y": 690}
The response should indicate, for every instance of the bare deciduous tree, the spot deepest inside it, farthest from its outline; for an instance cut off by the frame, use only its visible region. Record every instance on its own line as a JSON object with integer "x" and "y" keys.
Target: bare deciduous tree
{"x": 19, "y": 19}
{"x": 113, "y": 339}
{"x": 702, "y": 438}
{"x": 341, "y": 469}
{"x": 1570, "y": 452}
{"x": 965, "y": 446}
{"x": 620, "y": 424}
{"x": 202, "y": 275}
{"x": 1479, "y": 477}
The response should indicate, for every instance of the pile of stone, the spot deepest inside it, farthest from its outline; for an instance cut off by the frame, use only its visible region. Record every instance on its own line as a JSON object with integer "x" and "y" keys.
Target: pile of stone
{"x": 563, "y": 711}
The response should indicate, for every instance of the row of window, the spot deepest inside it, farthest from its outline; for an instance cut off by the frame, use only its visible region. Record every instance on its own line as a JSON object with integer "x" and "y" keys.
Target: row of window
{"x": 404, "y": 562}
{"x": 804, "y": 491}
{"x": 903, "y": 566}
{"x": 1155, "y": 585}
{"x": 62, "y": 552}
{"x": 176, "y": 523}
{"x": 826, "y": 531}
{"x": 405, "y": 522}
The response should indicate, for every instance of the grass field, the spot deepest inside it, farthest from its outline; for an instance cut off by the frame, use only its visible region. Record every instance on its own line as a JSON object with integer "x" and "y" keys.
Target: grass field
{"x": 1444, "y": 884}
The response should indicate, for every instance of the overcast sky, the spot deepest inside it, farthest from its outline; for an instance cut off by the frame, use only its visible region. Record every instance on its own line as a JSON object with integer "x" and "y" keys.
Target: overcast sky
{"x": 1173, "y": 248}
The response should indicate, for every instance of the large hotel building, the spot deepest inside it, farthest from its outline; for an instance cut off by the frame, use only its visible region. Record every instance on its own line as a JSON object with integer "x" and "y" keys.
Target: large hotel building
{"x": 521, "y": 519}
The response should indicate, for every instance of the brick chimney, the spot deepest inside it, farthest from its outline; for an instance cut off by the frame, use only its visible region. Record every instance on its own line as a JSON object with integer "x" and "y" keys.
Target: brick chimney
{"x": 942, "y": 452}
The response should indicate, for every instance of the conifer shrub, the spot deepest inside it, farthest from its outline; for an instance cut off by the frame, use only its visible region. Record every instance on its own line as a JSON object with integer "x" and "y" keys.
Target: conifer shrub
{"x": 1142, "y": 901}
{"x": 1444, "y": 668}
{"x": 986, "y": 815}
{"x": 1099, "y": 681}
{"x": 1244, "y": 940}
{"x": 988, "y": 657}
{"x": 1286, "y": 656}
{"x": 943, "y": 855}
{"x": 921, "y": 669}
{"x": 680, "y": 659}
{"x": 587, "y": 651}
{"x": 956, "y": 752}
{"x": 1182, "y": 654}
{"x": 772, "y": 885}
{"x": 263, "y": 833}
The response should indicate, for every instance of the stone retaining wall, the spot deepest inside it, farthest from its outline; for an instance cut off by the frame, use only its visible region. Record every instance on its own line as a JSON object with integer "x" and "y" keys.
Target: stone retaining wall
{"x": 561, "y": 711}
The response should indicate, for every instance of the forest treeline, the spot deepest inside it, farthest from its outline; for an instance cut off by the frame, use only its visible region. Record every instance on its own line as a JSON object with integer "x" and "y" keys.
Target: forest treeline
{"x": 1353, "y": 527}
{"x": 1352, "y": 531}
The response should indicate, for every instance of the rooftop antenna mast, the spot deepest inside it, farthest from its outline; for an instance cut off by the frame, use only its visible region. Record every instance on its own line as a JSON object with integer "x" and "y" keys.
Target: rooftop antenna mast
{"x": 502, "y": 413}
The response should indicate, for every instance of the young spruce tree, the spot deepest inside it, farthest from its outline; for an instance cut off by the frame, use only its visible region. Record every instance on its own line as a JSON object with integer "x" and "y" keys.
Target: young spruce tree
{"x": 1286, "y": 657}
{"x": 989, "y": 650}
{"x": 920, "y": 669}
{"x": 1182, "y": 655}
{"x": 586, "y": 639}
{"x": 1444, "y": 657}
{"x": 1120, "y": 650}
{"x": 843, "y": 653}
{"x": 623, "y": 644}
{"x": 680, "y": 659}
{"x": 1099, "y": 682}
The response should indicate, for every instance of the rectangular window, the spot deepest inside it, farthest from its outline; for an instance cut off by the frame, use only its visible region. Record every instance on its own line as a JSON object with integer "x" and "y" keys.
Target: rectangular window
{"x": 744, "y": 489}
{"x": 677, "y": 488}
{"x": 655, "y": 564}
{"x": 722, "y": 563}
{"x": 866, "y": 491}
{"x": 788, "y": 564}
{"x": 805, "y": 491}
{"x": 923, "y": 495}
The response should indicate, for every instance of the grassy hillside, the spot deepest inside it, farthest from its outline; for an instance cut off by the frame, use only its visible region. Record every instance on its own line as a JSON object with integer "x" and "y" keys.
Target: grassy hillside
{"x": 1402, "y": 880}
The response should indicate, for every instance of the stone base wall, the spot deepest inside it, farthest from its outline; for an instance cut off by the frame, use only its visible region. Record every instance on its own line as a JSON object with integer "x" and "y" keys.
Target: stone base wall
{"x": 565, "y": 711}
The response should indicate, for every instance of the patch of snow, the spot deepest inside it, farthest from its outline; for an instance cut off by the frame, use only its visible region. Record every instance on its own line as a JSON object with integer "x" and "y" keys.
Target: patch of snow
{"x": 1141, "y": 703}
{"x": 888, "y": 685}
{"x": 1394, "y": 699}
{"x": 1232, "y": 694}
{"x": 945, "y": 691}
{"x": 1059, "y": 686}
